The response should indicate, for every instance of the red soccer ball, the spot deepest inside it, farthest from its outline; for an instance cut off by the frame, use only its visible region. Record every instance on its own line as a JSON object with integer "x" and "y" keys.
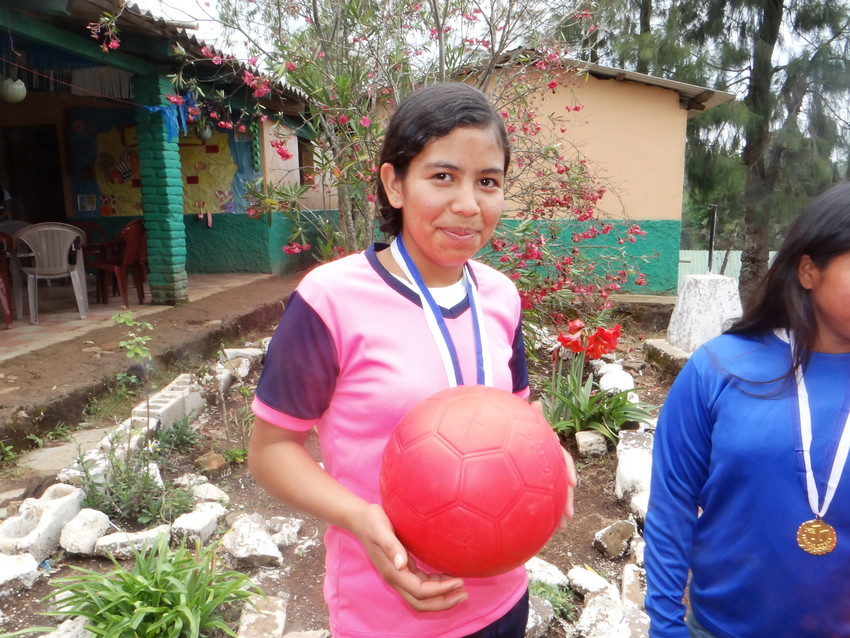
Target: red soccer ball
{"x": 474, "y": 481}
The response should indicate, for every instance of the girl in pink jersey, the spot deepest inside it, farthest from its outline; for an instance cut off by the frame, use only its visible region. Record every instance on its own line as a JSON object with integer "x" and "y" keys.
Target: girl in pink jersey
{"x": 365, "y": 338}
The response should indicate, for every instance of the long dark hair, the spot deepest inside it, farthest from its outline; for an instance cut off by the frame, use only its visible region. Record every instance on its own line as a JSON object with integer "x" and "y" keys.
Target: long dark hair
{"x": 424, "y": 116}
{"x": 822, "y": 231}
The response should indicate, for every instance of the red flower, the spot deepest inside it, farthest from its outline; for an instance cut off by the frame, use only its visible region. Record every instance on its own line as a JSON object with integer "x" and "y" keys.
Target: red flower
{"x": 602, "y": 341}
{"x": 571, "y": 341}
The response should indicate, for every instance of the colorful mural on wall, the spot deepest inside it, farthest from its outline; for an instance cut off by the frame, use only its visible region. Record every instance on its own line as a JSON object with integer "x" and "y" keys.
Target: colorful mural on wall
{"x": 104, "y": 164}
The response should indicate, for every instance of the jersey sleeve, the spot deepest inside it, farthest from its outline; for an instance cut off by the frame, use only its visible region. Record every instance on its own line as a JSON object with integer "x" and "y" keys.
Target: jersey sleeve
{"x": 519, "y": 364}
{"x": 680, "y": 462}
{"x": 300, "y": 369}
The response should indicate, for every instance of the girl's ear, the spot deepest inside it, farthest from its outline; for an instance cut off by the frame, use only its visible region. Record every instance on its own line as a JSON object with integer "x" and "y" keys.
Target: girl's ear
{"x": 392, "y": 185}
{"x": 807, "y": 272}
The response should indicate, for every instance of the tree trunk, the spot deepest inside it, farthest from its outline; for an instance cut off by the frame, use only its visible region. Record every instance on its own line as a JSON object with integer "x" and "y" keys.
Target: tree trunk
{"x": 759, "y": 174}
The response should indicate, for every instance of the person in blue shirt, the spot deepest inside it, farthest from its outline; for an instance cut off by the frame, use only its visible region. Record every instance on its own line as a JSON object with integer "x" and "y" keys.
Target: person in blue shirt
{"x": 749, "y": 510}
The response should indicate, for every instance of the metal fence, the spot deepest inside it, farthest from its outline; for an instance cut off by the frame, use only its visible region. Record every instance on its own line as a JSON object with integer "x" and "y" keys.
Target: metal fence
{"x": 695, "y": 262}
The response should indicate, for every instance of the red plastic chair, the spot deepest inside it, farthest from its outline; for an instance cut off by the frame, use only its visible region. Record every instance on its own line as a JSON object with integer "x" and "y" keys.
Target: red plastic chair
{"x": 115, "y": 258}
{"x": 5, "y": 285}
{"x": 93, "y": 230}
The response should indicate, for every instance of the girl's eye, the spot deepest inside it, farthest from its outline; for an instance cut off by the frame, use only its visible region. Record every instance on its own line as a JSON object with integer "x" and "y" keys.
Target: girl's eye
{"x": 489, "y": 182}
{"x": 442, "y": 177}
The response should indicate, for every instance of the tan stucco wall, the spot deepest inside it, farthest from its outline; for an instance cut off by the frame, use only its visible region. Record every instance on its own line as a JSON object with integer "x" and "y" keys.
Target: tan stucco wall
{"x": 633, "y": 137}
{"x": 280, "y": 172}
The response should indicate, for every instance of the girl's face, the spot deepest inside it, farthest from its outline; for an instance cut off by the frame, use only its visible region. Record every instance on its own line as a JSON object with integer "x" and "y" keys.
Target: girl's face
{"x": 451, "y": 199}
{"x": 830, "y": 292}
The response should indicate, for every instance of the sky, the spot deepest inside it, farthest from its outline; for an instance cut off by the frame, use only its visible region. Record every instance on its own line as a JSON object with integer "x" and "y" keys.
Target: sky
{"x": 204, "y": 12}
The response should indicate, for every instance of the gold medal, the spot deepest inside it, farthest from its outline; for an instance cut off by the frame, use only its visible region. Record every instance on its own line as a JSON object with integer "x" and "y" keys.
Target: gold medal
{"x": 816, "y": 537}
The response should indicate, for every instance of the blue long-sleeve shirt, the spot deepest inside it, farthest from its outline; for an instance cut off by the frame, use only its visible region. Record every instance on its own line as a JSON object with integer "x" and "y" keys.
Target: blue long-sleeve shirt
{"x": 726, "y": 444}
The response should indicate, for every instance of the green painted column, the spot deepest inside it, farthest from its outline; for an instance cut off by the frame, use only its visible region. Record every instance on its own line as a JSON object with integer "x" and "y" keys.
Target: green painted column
{"x": 162, "y": 193}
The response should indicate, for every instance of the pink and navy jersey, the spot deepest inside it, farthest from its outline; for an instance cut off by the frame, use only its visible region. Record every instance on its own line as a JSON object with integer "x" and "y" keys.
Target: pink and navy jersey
{"x": 352, "y": 354}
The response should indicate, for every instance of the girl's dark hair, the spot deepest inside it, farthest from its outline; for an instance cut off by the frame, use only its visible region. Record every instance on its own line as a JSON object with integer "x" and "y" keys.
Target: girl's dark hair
{"x": 822, "y": 231}
{"x": 424, "y": 116}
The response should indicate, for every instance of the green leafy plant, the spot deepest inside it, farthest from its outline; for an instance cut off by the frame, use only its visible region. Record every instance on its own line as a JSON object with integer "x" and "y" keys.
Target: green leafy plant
{"x": 129, "y": 492}
{"x": 178, "y": 437}
{"x": 135, "y": 345}
{"x": 7, "y": 453}
{"x": 168, "y": 593}
{"x": 235, "y": 455}
{"x": 562, "y": 599}
{"x": 573, "y": 402}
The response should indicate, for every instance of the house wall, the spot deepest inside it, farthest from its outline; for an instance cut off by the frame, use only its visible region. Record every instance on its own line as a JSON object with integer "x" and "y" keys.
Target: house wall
{"x": 93, "y": 135}
{"x": 633, "y": 137}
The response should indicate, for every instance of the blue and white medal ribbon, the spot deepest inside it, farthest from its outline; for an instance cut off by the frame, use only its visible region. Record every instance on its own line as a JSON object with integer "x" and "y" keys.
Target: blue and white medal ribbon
{"x": 437, "y": 325}
{"x": 816, "y": 536}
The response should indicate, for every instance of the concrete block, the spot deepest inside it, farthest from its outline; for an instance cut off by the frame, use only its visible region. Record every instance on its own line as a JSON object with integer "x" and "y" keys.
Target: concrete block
{"x": 705, "y": 307}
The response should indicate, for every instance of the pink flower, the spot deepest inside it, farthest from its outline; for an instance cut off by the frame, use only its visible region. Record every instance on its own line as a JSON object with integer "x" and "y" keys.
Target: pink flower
{"x": 293, "y": 248}
{"x": 343, "y": 120}
{"x": 253, "y": 61}
{"x": 291, "y": 66}
{"x": 552, "y": 84}
{"x": 175, "y": 99}
{"x": 365, "y": 122}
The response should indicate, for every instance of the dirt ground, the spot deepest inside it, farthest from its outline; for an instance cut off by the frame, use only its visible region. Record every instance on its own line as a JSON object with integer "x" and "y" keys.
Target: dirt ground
{"x": 302, "y": 573}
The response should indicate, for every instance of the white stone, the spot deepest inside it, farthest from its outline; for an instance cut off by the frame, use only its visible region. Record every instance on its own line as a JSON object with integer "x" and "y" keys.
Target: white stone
{"x": 637, "y": 550}
{"x": 197, "y": 525}
{"x": 249, "y": 542}
{"x": 591, "y": 443}
{"x": 602, "y": 617}
{"x": 540, "y": 616}
{"x": 634, "y": 470}
{"x": 17, "y": 573}
{"x": 545, "y": 572}
{"x": 190, "y": 480}
{"x": 631, "y": 587}
{"x": 121, "y": 544}
{"x": 264, "y": 616}
{"x": 616, "y": 381}
{"x": 284, "y": 530}
{"x": 72, "y": 628}
{"x": 315, "y": 633}
{"x": 209, "y": 492}
{"x": 36, "y": 528}
{"x": 589, "y": 583}
{"x": 705, "y": 306}
{"x": 80, "y": 534}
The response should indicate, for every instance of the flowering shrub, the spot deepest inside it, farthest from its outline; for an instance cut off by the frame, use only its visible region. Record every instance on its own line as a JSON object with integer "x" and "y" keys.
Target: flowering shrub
{"x": 573, "y": 402}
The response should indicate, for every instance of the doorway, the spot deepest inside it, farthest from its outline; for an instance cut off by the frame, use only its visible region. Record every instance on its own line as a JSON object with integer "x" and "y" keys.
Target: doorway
{"x": 32, "y": 174}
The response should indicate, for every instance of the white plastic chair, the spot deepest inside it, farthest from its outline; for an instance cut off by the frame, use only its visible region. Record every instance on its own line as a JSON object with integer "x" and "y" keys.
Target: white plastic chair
{"x": 50, "y": 246}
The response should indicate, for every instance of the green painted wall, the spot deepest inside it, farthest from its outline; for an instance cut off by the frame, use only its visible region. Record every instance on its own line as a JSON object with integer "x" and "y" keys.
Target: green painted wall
{"x": 234, "y": 243}
{"x": 238, "y": 243}
{"x": 656, "y": 254}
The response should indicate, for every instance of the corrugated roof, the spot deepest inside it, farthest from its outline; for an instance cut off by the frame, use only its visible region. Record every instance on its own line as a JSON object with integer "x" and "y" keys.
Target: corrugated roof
{"x": 696, "y": 99}
{"x": 74, "y": 15}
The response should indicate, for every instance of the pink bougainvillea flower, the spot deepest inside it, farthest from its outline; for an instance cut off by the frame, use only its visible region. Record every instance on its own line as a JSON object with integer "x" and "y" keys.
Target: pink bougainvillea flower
{"x": 365, "y": 122}
{"x": 253, "y": 61}
{"x": 293, "y": 248}
{"x": 291, "y": 66}
{"x": 343, "y": 120}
